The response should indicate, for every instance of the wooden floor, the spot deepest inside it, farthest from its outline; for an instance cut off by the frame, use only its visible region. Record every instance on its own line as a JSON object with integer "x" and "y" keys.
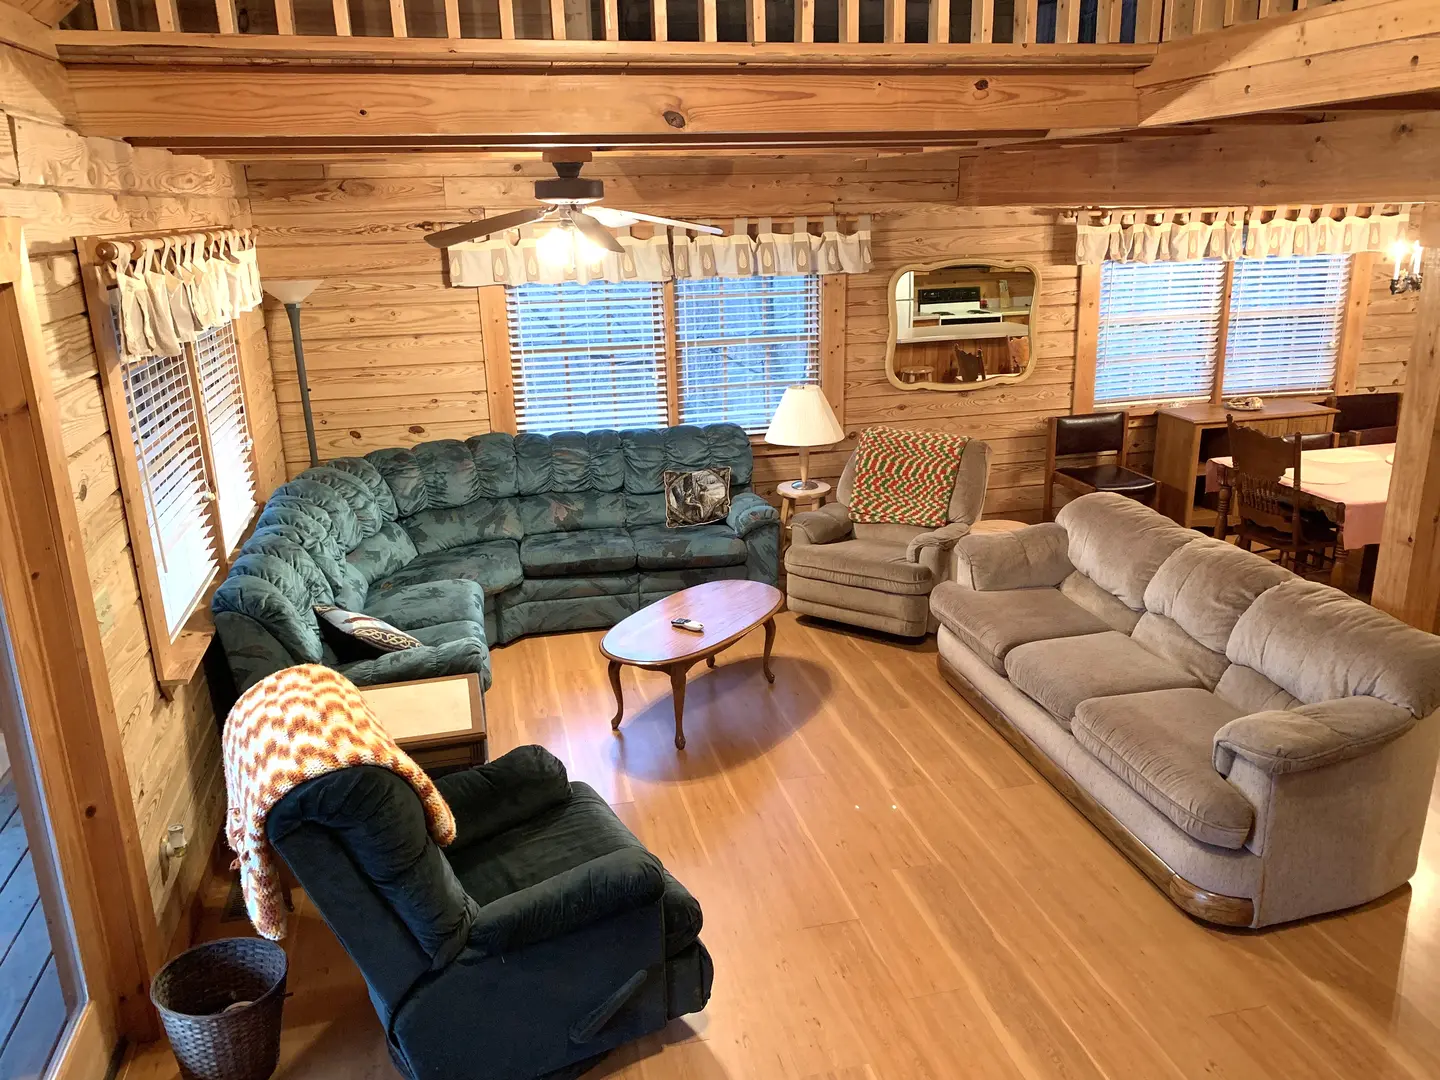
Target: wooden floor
{"x": 890, "y": 893}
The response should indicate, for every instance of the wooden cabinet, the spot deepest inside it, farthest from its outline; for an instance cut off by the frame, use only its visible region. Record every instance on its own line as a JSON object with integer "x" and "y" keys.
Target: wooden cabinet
{"x": 1187, "y": 436}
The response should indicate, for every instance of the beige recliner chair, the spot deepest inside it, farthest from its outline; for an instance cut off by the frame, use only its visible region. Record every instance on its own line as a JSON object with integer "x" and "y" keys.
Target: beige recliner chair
{"x": 879, "y": 575}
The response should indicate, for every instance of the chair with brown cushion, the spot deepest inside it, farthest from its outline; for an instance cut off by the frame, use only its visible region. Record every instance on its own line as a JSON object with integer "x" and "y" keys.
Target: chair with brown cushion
{"x": 1319, "y": 440}
{"x": 1365, "y": 419}
{"x": 1268, "y": 512}
{"x": 1093, "y": 435}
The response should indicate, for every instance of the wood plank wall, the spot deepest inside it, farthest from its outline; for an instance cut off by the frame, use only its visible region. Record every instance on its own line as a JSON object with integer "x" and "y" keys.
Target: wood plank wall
{"x": 63, "y": 186}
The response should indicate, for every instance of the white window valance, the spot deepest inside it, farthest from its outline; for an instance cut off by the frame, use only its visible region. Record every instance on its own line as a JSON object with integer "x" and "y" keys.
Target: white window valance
{"x": 1232, "y": 233}
{"x": 512, "y": 259}
{"x": 170, "y": 290}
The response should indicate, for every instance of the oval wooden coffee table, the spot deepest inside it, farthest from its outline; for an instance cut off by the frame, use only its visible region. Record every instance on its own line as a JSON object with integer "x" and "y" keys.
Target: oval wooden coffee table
{"x": 729, "y": 610}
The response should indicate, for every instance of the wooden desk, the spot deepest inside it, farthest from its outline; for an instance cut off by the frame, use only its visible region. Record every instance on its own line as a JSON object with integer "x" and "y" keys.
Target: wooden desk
{"x": 438, "y": 722}
{"x": 1186, "y": 436}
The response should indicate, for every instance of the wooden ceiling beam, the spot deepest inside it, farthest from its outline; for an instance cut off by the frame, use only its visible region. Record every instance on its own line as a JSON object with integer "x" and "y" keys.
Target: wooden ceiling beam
{"x": 1394, "y": 158}
{"x": 1320, "y": 56}
{"x": 240, "y": 103}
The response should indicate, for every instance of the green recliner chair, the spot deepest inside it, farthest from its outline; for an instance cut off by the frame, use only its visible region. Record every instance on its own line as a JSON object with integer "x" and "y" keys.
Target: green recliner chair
{"x": 545, "y": 936}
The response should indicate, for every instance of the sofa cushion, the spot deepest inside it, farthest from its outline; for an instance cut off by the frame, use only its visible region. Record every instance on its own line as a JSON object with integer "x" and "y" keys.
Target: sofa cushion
{"x": 411, "y": 607}
{"x": 441, "y": 528}
{"x": 384, "y": 553}
{"x": 1032, "y": 557}
{"x": 1249, "y": 691}
{"x": 659, "y": 548}
{"x": 1103, "y": 605}
{"x": 1167, "y": 640}
{"x": 1160, "y": 744}
{"x": 649, "y": 452}
{"x": 353, "y": 490}
{"x": 345, "y": 528}
{"x": 993, "y": 623}
{"x": 370, "y": 476}
{"x": 569, "y": 461}
{"x": 1205, "y": 586}
{"x": 864, "y": 564}
{"x": 1062, "y": 672}
{"x": 1118, "y": 543}
{"x": 585, "y": 551}
{"x": 1319, "y": 644}
{"x": 494, "y": 564}
{"x": 561, "y": 838}
{"x": 441, "y": 633}
{"x": 569, "y": 510}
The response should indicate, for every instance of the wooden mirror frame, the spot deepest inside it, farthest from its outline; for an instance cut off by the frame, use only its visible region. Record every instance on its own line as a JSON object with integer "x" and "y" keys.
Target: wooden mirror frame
{"x": 961, "y": 387}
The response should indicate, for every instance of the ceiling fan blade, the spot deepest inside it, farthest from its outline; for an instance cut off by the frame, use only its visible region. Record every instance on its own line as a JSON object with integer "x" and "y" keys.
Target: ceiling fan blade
{"x": 692, "y": 226}
{"x": 485, "y": 227}
{"x": 597, "y": 232}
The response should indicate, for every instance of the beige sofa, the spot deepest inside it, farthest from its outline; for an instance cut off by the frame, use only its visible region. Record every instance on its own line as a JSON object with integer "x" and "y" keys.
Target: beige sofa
{"x": 879, "y": 576}
{"x": 1263, "y": 747}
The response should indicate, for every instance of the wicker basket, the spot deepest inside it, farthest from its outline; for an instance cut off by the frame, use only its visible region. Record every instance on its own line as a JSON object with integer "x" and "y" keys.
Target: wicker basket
{"x": 221, "y": 1003}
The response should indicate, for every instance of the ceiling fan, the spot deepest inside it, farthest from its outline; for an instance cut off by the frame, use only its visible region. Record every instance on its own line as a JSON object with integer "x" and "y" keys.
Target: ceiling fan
{"x": 569, "y": 200}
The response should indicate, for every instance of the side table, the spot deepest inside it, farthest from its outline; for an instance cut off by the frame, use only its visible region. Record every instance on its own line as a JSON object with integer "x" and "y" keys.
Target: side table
{"x": 791, "y": 493}
{"x": 438, "y": 722}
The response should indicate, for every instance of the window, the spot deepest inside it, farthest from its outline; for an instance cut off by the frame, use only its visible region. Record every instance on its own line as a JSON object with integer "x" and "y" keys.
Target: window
{"x": 587, "y": 356}
{"x": 1285, "y": 317}
{"x": 642, "y": 354}
{"x": 1164, "y": 332}
{"x": 217, "y": 360}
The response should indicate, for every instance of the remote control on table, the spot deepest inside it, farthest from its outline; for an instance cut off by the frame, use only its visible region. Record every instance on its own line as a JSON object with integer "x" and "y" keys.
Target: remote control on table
{"x": 688, "y": 624}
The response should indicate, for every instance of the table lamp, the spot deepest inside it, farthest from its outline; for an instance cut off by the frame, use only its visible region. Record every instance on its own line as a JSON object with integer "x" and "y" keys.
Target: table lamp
{"x": 804, "y": 419}
{"x": 292, "y": 293}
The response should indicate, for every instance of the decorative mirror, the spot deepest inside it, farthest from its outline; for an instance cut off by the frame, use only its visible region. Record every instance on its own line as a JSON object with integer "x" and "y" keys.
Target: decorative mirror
{"x": 962, "y": 325}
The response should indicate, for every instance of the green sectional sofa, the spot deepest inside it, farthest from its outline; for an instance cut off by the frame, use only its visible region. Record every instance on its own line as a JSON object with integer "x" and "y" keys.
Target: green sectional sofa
{"x": 468, "y": 544}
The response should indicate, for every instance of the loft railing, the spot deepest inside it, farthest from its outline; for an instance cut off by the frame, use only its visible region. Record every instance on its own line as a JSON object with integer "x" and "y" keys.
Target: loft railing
{"x": 911, "y": 22}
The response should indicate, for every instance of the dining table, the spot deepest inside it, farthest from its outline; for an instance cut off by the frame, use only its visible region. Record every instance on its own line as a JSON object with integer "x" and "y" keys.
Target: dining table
{"x": 1348, "y": 484}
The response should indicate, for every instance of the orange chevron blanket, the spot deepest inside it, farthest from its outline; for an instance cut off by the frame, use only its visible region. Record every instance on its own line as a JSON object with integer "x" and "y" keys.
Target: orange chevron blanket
{"x": 293, "y": 726}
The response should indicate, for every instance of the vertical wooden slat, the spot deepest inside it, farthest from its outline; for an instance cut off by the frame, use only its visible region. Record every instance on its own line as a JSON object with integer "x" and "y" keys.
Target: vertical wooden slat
{"x": 495, "y": 340}
{"x": 707, "y": 20}
{"x": 1067, "y": 22}
{"x": 1197, "y": 15}
{"x": 833, "y": 293}
{"x": 398, "y": 26}
{"x": 167, "y": 17}
{"x": 755, "y": 20}
{"x": 107, "y": 15}
{"x": 224, "y": 15}
{"x": 1352, "y": 321}
{"x": 557, "y": 18}
{"x": 1147, "y": 22}
{"x": 507, "y": 20}
{"x": 1273, "y": 7}
{"x": 578, "y": 26}
{"x": 1027, "y": 16}
{"x": 1117, "y": 15}
{"x": 284, "y": 16}
{"x": 939, "y": 22}
{"x": 804, "y": 20}
{"x": 672, "y": 356}
{"x": 982, "y": 21}
{"x": 659, "y": 20}
{"x": 1222, "y": 335}
{"x": 1087, "y": 337}
{"x": 612, "y": 20}
{"x": 1232, "y": 12}
{"x": 1107, "y": 21}
{"x": 342, "y": 17}
{"x": 850, "y": 20}
{"x": 895, "y": 21}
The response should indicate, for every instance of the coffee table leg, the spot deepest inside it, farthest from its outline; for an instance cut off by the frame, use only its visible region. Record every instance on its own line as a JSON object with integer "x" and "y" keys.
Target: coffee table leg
{"x": 769, "y": 643}
{"x": 677, "y": 691}
{"x": 619, "y": 697}
{"x": 710, "y": 661}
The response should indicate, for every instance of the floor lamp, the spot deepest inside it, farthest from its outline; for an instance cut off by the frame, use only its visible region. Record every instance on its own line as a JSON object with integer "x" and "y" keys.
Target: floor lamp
{"x": 292, "y": 294}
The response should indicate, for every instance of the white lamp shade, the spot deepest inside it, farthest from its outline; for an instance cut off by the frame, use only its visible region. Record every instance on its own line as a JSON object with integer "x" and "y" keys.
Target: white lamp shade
{"x": 804, "y": 418}
{"x": 292, "y": 291}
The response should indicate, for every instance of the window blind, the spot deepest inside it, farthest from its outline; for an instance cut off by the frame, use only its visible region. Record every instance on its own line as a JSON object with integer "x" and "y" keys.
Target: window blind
{"x": 217, "y": 359}
{"x": 166, "y": 431}
{"x": 741, "y": 341}
{"x": 1159, "y": 330}
{"x": 587, "y": 356}
{"x": 1285, "y": 317}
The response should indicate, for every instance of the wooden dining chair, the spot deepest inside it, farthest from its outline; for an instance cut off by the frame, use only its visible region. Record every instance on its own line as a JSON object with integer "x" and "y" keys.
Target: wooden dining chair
{"x": 1270, "y": 513}
{"x": 1093, "y": 435}
{"x": 1319, "y": 440}
{"x": 1365, "y": 419}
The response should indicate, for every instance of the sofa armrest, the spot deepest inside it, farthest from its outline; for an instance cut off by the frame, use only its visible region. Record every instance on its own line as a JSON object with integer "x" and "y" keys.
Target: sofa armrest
{"x": 941, "y": 539}
{"x": 620, "y": 881}
{"x": 457, "y": 657}
{"x": 748, "y": 512}
{"x": 1034, "y": 557}
{"x": 490, "y": 798}
{"x": 1311, "y": 736}
{"x": 827, "y": 525}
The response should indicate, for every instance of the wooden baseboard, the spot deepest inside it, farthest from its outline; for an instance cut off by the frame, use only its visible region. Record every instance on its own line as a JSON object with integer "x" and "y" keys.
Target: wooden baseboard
{"x": 1216, "y": 908}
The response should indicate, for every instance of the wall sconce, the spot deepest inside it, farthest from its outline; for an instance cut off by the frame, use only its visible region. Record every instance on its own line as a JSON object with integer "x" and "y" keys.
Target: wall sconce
{"x": 1407, "y": 276}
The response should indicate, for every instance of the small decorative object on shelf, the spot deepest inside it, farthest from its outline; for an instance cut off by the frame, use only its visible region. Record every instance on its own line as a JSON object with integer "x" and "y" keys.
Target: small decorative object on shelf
{"x": 1407, "y": 276}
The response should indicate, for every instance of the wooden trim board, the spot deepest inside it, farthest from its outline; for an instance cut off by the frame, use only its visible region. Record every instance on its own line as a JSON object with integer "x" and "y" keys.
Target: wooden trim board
{"x": 1209, "y": 907}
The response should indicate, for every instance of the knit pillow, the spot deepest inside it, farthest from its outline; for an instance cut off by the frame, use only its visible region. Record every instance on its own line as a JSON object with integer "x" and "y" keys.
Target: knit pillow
{"x": 905, "y": 477}
{"x": 357, "y": 636}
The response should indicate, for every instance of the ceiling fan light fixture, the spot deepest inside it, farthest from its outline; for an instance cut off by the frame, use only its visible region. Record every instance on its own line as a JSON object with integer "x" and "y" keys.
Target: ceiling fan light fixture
{"x": 564, "y": 245}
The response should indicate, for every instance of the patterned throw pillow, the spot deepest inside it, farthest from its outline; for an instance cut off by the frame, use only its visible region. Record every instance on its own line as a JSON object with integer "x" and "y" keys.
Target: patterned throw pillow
{"x": 696, "y": 498}
{"x": 905, "y": 476}
{"x": 357, "y": 636}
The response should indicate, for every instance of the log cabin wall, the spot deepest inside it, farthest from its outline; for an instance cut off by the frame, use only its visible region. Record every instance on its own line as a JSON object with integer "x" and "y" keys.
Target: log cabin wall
{"x": 395, "y": 355}
{"x": 63, "y": 186}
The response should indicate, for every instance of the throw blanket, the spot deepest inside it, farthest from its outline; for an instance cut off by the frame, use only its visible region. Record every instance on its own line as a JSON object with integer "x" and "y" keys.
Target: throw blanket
{"x": 905, "y": 476}
{"x": 295, "y": 725}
